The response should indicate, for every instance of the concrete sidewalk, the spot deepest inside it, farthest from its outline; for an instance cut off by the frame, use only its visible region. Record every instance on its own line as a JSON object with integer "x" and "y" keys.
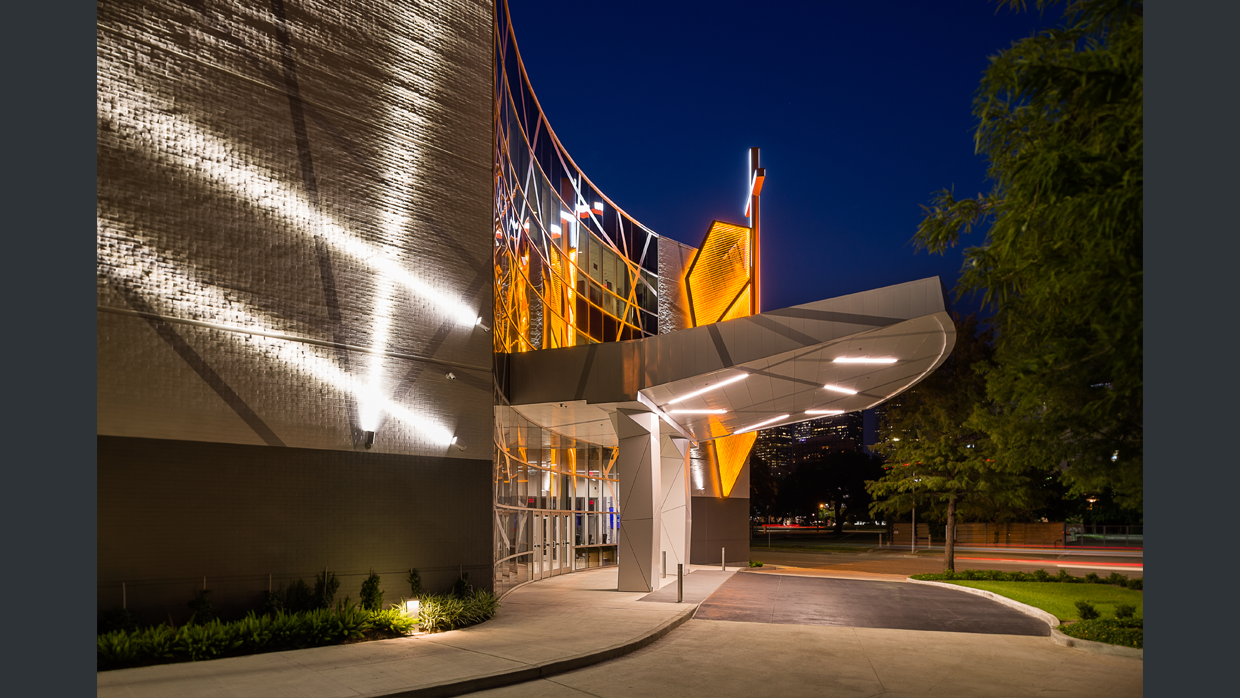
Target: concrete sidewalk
{"x": 548, "y": 627}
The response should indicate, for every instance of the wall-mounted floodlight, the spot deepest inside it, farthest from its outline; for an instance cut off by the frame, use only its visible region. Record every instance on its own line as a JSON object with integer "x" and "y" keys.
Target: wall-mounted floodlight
{"x": 450, "y": 376}
{"x": 824, "y": 411}
{"x": 840, "y": 389}
{"x": 697, "y": 411}
{"x": 369, "y": 440}
{"x": 759, "y": 425}
{"x": 864, "y": 360}
{"x": 716, "y": 386}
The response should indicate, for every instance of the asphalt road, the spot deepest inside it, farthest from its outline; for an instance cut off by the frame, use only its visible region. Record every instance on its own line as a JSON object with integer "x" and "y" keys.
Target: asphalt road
{"x": 903, "y": 563}
{"x": 792, "y": 636}
{"x": 792, "y": 600}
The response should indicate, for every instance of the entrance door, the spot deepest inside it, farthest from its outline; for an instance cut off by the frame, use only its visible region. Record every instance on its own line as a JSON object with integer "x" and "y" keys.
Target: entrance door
{"x": 536, "y": 558}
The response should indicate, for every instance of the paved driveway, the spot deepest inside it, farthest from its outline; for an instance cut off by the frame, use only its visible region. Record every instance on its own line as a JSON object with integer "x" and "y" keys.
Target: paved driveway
{"x": 796, "y": 600}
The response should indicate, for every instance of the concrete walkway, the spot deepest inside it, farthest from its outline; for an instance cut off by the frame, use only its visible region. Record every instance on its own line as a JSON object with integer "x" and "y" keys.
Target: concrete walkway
{"x": 541, "y": 629}
{"x": 721, "y": 659}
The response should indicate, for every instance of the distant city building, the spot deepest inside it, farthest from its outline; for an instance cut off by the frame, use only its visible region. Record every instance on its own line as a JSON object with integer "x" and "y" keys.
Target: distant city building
{"x": 788, "y": 445}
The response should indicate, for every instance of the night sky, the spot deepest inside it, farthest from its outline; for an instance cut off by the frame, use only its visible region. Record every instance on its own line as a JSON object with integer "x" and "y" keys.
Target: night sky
{"x": 862, "y": 109}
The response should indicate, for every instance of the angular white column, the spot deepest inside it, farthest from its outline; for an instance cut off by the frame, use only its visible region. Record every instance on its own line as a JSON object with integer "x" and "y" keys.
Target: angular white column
{"x": 640, "y": 469}
{"x": 674, "y": 512}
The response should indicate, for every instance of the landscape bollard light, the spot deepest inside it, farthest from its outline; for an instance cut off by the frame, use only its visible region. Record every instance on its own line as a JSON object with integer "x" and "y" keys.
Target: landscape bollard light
{"x": 723, "y": 559}
{"x": 680, "y": 582}
{"x": 664, "y": 572}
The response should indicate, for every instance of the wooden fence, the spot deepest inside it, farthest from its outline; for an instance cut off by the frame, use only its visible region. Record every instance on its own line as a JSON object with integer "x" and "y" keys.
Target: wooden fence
{"x": 1042, "y": 535}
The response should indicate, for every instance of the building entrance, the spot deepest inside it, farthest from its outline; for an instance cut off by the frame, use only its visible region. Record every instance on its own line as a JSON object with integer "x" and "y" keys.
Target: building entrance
{"x": 552, "y": 545}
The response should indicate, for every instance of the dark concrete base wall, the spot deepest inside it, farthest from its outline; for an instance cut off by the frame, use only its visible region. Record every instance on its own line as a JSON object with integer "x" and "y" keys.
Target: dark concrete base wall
{"x": 171, "y": 512}
{"x": 719, "y": 523}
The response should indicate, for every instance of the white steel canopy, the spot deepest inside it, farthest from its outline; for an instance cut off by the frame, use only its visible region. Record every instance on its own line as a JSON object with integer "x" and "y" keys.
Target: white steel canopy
{"x": 777, "y": 366}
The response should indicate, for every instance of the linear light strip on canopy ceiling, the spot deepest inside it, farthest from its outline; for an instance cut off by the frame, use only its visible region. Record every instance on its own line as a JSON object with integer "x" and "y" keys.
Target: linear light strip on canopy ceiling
{"x": 716, "y": 386}
{"x": 864, "y": 360}
{"x": 759, "y": 425}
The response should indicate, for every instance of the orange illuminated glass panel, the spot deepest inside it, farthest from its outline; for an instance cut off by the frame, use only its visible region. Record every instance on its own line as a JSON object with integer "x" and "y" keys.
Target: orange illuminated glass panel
{"x": 740, "y": 308}
{"x": 730, "y": 453}
{"x": 719, "y": 273}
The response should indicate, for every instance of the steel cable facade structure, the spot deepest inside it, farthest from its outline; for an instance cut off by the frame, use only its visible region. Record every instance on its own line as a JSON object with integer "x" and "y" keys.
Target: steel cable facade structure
{"x": 570, "y": 268}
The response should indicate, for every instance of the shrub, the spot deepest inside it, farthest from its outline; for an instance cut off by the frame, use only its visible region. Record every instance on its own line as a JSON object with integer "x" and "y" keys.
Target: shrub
{"x": 116, "y": 647}
{"x": 1066, "y": 578}
{"x": 395, "y": 618}
{"x": 754, "y": 564}
{"x": 1125, "y": 610}
{"x": 325, "y": 586}
{"x": 1117, "y": 579}
{"x": 204, "y": 640}
{"x": 298, "y": 597}
{"x": 372, "y": 596}
{"x": 461, "y": 587}
{"x": 439, "y": 613}
{"x": 116, "y": 619}
{"x": 1136, "y": 583}
{"x": 1086, "y": 610}
{"x": 1125, "y": 632}
{"x": 415, "y": 583}
{"x": 1041, "y": 575}
{"x": 204, "y": 612}
{"x": 1093, "y": 578}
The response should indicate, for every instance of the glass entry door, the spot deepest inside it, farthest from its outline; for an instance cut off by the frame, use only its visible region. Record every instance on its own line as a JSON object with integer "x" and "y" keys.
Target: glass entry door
{"x": 552, "y": 547}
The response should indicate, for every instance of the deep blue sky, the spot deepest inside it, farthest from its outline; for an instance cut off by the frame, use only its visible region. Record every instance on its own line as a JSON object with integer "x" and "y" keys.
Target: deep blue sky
{"x": 862, "y": 110}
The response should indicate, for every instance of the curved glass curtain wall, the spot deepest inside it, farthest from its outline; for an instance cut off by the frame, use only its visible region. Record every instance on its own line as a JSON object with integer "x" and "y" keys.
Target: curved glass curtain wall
{"x": 570, "y": 269}
{"x": 555, "y": 502}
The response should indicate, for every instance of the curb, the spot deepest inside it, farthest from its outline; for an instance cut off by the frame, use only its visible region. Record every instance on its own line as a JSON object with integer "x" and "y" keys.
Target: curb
{"x": 1056, "y": 635}
{"x": 538, "y": 671}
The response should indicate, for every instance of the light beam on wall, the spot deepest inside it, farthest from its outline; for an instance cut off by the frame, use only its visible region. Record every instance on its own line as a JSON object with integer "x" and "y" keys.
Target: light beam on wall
{"x": 175, "y": 142}
{"x": 140, "y": 265}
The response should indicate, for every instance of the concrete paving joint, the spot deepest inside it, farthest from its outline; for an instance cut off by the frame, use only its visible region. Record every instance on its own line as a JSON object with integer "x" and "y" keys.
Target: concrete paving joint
{"x": 1057, "y": 636}
{"x": 541, "y": 671}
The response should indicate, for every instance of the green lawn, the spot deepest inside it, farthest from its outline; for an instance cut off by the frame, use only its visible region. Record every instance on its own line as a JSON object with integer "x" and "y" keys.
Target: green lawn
{"x": 1058, "y": 598}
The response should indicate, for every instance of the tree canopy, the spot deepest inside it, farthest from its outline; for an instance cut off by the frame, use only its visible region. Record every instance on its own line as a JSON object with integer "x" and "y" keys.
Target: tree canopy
{"x": 1060, "y": 123}
{"x": 937, "y": 460}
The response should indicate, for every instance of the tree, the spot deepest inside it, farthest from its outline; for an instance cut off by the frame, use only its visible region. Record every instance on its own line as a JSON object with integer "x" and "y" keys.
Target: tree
{"x": 937, "y": 458}
{"x": 842, "y": 484}
{"x": 763, "y": 488}
{"x": 1061, "y": 263}
{"x": 836, "y": 481}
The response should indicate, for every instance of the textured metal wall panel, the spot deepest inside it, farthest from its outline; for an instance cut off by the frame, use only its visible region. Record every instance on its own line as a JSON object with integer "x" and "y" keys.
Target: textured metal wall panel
{"x": 314, "y": 169}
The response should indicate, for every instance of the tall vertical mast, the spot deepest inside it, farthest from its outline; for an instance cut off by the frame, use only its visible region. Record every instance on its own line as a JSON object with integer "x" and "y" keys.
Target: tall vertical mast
{"x": 756, "y": 175}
